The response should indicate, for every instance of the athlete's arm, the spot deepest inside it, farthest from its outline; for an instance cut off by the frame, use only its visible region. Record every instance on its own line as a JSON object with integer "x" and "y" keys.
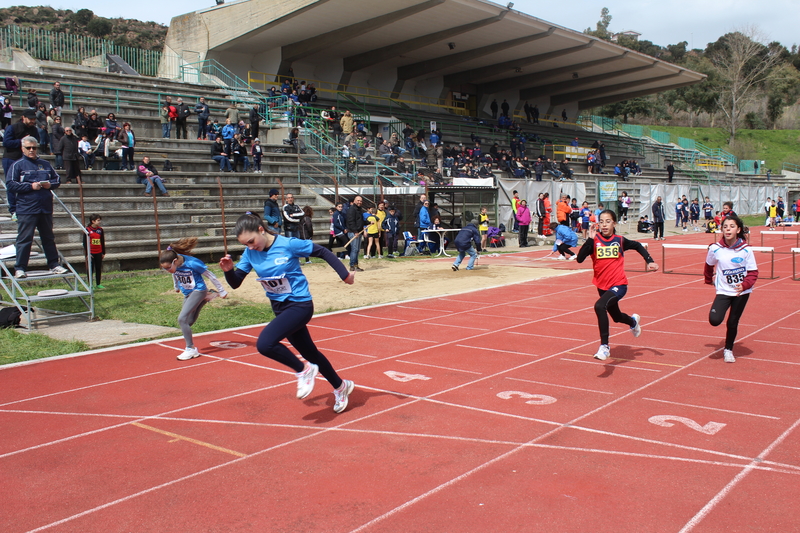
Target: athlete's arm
{"x": 708, "y": 274}
{"x": 586, "y": 250}
{"x": 332, "y": 260}
{"x": 749, "y": 280}
{"x": 213, "y": 279}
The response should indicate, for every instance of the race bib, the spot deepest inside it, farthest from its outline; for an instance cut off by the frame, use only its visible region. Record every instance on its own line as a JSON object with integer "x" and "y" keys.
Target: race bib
{"x": 276, "y": 284}
{"x": 185, "y": 280}
{"x": 95, "y": 242}
{"x": 734, "y": 276}
{"x": 607, "y": 252}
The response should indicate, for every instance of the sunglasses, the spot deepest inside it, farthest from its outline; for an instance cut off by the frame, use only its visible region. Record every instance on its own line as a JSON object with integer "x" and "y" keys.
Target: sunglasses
{"x": 30, "y": 147}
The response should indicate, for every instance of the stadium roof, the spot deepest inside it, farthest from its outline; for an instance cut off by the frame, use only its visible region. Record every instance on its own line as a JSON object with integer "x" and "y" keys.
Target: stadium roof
{"x": 430, "y": 47}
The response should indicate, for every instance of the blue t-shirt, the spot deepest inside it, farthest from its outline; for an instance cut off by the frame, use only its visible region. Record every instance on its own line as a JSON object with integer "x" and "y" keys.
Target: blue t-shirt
{"x": 189, "y": 276}
{"x": 586, "y": 213}
{"x": 708, "y": 209}
{"x": 279, "y": 270}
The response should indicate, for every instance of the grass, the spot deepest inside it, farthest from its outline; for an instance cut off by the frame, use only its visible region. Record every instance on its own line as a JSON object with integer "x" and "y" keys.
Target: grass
{"x": 772, "y": 146}
{"x": 16, "y": 346}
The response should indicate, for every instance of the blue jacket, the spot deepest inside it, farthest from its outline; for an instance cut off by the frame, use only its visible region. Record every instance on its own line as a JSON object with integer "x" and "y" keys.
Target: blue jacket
{"x": 272, "y": 213}
{"x": 658, "y": 212}
{"x": 424, "y": 218}
{"x": 466, "y": 236}
{"x": 566, "y": 235}
{"x": 20, "y": 177}
{"x": 339, "y": 223}
{"x": 228, "y": 131}
{"x": 391, "y": 224}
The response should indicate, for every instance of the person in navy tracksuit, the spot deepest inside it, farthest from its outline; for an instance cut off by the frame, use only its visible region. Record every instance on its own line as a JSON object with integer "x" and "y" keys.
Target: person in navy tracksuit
{"x": 464, "y": 240}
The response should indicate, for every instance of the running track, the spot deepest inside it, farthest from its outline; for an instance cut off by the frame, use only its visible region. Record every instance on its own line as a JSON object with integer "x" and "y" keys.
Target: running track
{"x": 476, "y": 412}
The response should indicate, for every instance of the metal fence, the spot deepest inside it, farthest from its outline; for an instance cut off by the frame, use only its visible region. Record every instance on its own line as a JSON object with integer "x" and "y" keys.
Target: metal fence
{"x": 76, "y": 49}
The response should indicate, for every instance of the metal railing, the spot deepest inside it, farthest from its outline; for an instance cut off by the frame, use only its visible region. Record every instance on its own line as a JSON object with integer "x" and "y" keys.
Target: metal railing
{"x": 76, "y": 49}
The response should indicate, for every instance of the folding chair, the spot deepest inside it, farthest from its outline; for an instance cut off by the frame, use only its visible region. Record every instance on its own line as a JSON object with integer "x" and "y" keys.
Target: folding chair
{"x": 411, "y": 244}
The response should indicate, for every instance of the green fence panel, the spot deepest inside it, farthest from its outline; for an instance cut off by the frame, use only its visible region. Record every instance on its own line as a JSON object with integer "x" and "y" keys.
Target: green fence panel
{"x": 689, "y": 144}
{"x": 746, "y": 165}
{"x": 660, "y": 136}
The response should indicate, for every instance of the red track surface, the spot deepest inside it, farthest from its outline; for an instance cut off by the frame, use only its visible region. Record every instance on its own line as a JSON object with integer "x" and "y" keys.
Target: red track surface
{"x": 477, "y": 412}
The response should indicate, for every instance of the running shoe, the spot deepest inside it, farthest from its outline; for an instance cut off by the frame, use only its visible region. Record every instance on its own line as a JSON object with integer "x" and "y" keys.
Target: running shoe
{"x": 341, "y": 395}
{"x": 211, "y": 295}
{"x": 637, "y": 328}
{"x": 728, "y": 356}
{"x": 58, "y": 269}
{"x": 20, "y": 274}
{"x": 573, "y": 257}
{"x": 455, "y": 268}
{"x": 603, "y": 352}
{"x": 188, "y": 353}
{"x": 305, "y": 380}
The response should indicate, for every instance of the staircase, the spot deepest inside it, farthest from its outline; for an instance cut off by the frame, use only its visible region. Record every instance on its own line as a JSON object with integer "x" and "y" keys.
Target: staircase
{"x": 26, "y": 295}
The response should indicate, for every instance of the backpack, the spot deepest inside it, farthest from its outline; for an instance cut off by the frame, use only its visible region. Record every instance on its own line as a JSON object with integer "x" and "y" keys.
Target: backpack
{"x": 173, "y": 112}
{"x": 10, "y": 317}
{"x": 167, "y": 166}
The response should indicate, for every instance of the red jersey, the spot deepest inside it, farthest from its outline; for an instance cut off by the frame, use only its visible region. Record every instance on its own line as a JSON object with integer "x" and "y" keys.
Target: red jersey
{"x": 97, "y": 242}
{"x": 609, "y": 262}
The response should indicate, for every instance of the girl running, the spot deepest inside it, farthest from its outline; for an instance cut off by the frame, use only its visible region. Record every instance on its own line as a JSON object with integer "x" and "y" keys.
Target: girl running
{"x": 275, "y": 260}
{"x": 187, "y": 275}
{"x": 606, "y": 249}
{"x": 736, "y": 273}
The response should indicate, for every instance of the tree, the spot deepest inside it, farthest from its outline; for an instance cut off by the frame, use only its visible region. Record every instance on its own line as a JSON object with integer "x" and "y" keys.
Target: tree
{"x": 783, "y": 88}
{"x": 641, "y": 107}
{"x": 602, "y": 26}
{"x": 741, "y": 65}
{"x": 82, "y": 17}
{"x": 99, "y": 27}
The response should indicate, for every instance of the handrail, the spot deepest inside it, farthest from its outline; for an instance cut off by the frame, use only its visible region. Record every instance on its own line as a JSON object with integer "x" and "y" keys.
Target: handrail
{"x": 791, "y": 167}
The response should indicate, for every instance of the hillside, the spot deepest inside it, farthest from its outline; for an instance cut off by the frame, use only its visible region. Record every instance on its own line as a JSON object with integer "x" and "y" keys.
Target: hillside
{"x": 773, "y": 146}
{"x": 124, "y": 32}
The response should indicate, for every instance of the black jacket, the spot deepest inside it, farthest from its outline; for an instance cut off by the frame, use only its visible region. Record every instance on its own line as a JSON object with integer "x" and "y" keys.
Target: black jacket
{"x": 56, "y": 97}
{"x": 183, "y": 111}
{"x": 68, "y": 147}
{"x": 12, "y": 142}
{"x": 354, "y": 219}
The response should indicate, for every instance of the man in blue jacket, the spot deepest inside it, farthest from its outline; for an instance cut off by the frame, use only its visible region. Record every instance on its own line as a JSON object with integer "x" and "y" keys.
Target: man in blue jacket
{"x": 32, "y": 179}
{"x": 339, "y": 228}
{"x": 464, "y": 240}
{"x": 272, "y": 213}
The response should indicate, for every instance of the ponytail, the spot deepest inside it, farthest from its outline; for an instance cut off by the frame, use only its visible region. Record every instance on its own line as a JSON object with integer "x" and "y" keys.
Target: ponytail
{"x": 183, "y": 246}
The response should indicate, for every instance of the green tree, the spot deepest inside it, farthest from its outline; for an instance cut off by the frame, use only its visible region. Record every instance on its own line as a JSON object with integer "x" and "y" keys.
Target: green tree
{"x": 602, "y": 26}
{"x": 783, "y": 89}
{"x": 99, "y": 27}
{"x": 635, "y": 107}
{"x": 82, "y": 17}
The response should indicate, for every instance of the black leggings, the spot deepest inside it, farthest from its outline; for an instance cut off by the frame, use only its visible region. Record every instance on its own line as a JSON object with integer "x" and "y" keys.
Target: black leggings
{"x": 717, "y": 314}
{"x": 97, "y": 266}
{"x": 564, "y": 250}
{"x": 290, "y": 324}
{"x": 608, "y": 304}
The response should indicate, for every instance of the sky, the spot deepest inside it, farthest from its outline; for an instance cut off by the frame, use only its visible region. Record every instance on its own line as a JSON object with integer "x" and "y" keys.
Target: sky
{"x": 697, "y": 22}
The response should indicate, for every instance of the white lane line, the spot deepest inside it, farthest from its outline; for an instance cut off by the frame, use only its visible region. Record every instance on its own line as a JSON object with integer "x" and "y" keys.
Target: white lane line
{"x": 427, "y": 309}
{"x": 546, "y": 336}
{"x": 776, "y": 342}
{"x": 495, "y": 350}
{"x": 705, "y": 336}
{"x": 437, "y": 366}
{"x": 402, "y": 338}
{"x": 596, "y": 363}
{"x": 340, "y": 330}
{"x": 437, "y": 324}
{"x": 561, "y": 386}
{"x": 749, "y": 358}
{"x": 711, "y": 408}
{"x": 379, "y": 317}
{"x": 245, "y": 335}
{"x": 696, "y": 519}
{"x": 746, "y": 381}
{"x": 321, "y": 348}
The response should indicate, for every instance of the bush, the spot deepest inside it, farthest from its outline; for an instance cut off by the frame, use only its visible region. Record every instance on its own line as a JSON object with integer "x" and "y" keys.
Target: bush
{"x": 99, "y": 27}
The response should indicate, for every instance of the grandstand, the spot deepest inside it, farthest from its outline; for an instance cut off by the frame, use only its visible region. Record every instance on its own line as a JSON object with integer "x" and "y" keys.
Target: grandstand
{"x": 318, "y": 176}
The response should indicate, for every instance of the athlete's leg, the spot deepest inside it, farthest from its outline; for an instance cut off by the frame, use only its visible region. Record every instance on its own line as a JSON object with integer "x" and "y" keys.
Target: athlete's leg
{"x": 737, "y": 308}
{"x": 188, "y": 316}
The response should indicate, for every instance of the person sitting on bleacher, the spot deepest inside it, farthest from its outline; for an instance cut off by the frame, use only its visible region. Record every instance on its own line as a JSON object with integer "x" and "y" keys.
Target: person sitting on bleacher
{"x": 219, "y": 155}
{"x": 550, "y": 167}
{"x": 621, "y": 172}
{"x": 565, "y": 169}
{"x": 146, "y": 173}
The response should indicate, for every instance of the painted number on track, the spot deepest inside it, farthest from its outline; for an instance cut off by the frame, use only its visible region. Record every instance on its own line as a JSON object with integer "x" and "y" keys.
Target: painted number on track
{"x": 229, "y": 345}
{"x": 403, "y": 377}
{"x": 532, "y": 399}
{"x": 667, "y": 422}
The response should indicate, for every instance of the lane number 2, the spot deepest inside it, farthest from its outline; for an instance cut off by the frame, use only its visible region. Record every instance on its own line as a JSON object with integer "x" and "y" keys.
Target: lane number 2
{"x": 532, "y": 399}
{"x": 667, "y": 422}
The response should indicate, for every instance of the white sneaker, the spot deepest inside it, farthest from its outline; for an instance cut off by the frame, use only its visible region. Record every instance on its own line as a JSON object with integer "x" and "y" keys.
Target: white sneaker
{"x": 366, "y": 257}
{"x": 341, "y": 395}
{"x": 637, "y": 329}
{"x": 20, "y": 274}
{"x": 58, "y": 269}
{"x": 188, "y": 353}
{"x": 561, "y": 258}
{"x": 603, "y": 352}
{"x": 727, "y": 355}
{"x": 347, "y": 258}
{"x": 572, "y": 258}
{"x": 305, "y": 380}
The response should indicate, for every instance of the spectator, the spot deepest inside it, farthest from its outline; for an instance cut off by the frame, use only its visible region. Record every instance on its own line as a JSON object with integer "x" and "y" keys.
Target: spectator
{"x": 93, "y": 126}
{"x": 12, "y": 150}
{"x": 294, "y": 139}
{"x": 219, "y": 155}
{"x": 346, "y": 122}
{"x": 202, "y": 111}
{"x": 33, "y": 100}
{"x": 659, "y": 216}
{"x": 146, "y": 173}
{"x": 166, "y": 124}
{"x": 391, "y": 228}
{"x": 80, "y": 123}
{"x": 228, "y": 131}
{"x": 41, "y": 124}
{"x": 307, "y": 226}
{"x": 272, "y": 213}
{"x": 232, "y": 113}
{"x": 538, "y": 168}
{"x": 255, "y": 120}
{"x": 493, "y": 107}
{"x": 257, "y": 152}
{"x": 112, "y": 127}
{"x": 565, "y": 169}
{"x": 385, "y": 151}
{"x": 535, "y": 114}
{"x": 467, "y": 239}
{"x": 565, "y": 239}
{"x": 214, "y": 130}
{"x": 180, "y": 121}
{"x": 239, "y": 150}
{"x": 127, "y": 138}
{"x": 6, "y": 112}
{"x": 86, "y": 152}
{"x": 550, "y": 167}
{"x": 504, "y": 107}
{"x": 540, "y": 215}
{"x": 32, "y": 179}
{"x": 523, "y": 219}
{"x": 563, "y": 210}
{"x": 56, "y": 98}
{"x": 354, "y": 220}
{"x": 339, "y": 228}
{"x": 56, "y": 134}
{"x": 68, "y": 146}
{"x": 564, "y": 115}
{"x": 373, "y": 234}
{"x": 292, "y": 215}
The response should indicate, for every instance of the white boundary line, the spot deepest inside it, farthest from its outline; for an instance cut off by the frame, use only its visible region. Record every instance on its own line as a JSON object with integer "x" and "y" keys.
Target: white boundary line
{"x": 711, "y": 408}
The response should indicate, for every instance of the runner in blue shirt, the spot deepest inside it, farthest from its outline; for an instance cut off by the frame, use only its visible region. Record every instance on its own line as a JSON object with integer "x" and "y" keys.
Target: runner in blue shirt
{"x": 694, "y": 214}
{"x": 274, "y": 258}
{"x": 187, "y": 276}
{"x": 708, "y": 211}
{"x": 586, "y": 215}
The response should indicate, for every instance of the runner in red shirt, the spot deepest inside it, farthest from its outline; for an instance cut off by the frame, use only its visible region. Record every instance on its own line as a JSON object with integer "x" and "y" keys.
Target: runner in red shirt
{"x": 606, "y": 249}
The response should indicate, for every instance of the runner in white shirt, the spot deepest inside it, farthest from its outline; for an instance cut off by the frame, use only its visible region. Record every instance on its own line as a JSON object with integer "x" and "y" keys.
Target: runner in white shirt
{"x": 736, "y": 273}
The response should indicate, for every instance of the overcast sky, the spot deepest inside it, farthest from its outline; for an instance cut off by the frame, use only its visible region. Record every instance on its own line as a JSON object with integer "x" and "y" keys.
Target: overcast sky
{"x": 697, "y": 22}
